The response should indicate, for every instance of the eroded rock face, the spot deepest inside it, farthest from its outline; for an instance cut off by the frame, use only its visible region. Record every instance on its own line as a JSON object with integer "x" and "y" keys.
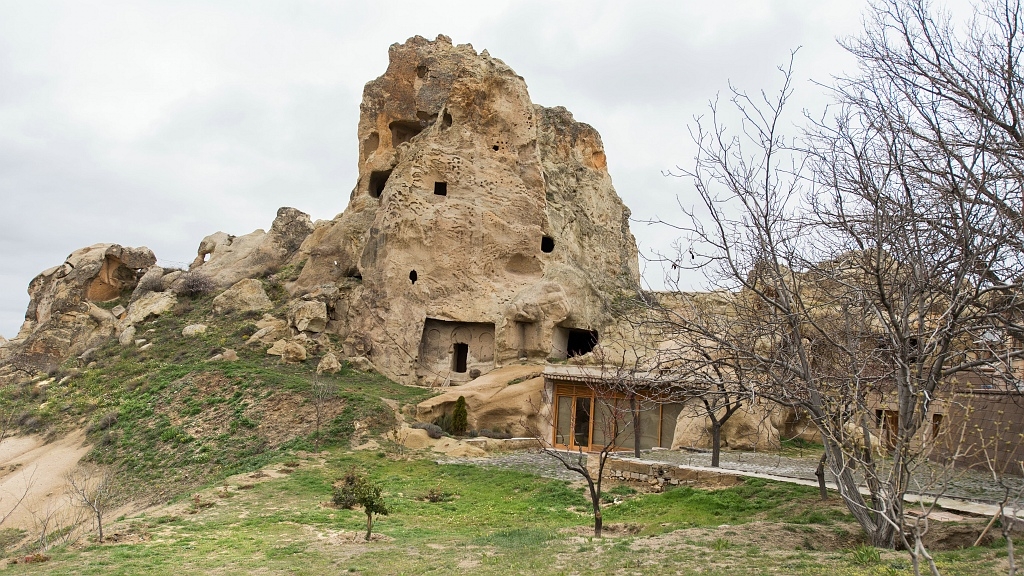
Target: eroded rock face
{"x": 245, "y": 295}
{"x": 477, "y": 215}
{"x": 226, "y": 259}
{"x": 63, "y": 318}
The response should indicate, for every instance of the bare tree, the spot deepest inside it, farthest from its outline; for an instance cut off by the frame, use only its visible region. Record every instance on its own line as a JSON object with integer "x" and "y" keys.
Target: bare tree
{"x": 93, "y": 490}
{"x": 579, "y": 461}
{"x": 320, "y": 393}
{"x": 707, "y": 379}
{"x": 610, "y": 414}
{"x": 859, "y": 278}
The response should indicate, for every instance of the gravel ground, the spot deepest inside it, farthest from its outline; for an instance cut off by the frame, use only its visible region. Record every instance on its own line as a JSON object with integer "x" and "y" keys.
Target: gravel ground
{"x": 965, "y": 484}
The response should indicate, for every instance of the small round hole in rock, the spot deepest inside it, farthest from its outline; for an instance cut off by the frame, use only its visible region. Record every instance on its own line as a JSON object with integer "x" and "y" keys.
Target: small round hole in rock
{"x": 412, "y": 276}
{"x": 547, "y": 244}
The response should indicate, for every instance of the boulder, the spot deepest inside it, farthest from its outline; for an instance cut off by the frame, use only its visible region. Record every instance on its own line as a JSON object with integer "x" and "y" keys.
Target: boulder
{"x": 308, "y": 316}
{"x": 127, "y": 337}
{"x": 193, "y": 330}
{"x": 225, "y": 356}
{"x": 290, "y": 352}
{"x": 293, "y": 353}
{"x": 360, "y": 364}
{"x": 329, "y": 364}
{"x": 508, "y": 398}
{"x": 277, "y": 349}
{"x": 150, "y": 304}
{"x": 244, "y": 296}
{"x": 151, "y": 281}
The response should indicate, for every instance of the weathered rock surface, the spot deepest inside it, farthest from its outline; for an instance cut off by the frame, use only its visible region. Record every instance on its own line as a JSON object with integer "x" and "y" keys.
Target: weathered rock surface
{"x": 290, "y": 352}
{"x": 747, "y": 429}
{"x": 507, "y": 399}
{"x": 150, "y": 304}
{"x": 245, "y": 295}
{"x": 269, "y": 330}
{"x": 308, "y": 316}
{"x": 226, "y": 259}
{"x": 127, "y": 337}
{"x": 193, "y": 330}
{"x": 329, "y": 364}
{"x": 151, "y": 281}
{"x": 482, "y": 228}
{"x": 62, "y": 319}
{"x": 294, "y": 353}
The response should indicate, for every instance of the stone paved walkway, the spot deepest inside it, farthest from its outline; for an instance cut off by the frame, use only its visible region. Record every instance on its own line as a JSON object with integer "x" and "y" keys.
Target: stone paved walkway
{"x": 965, "y": 485}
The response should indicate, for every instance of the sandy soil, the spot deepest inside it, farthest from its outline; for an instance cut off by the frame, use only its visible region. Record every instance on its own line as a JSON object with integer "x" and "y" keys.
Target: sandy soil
{"x": 32, "y": 468}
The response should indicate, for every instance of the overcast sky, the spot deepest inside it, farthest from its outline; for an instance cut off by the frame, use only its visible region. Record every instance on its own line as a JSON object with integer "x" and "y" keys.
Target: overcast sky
{"x": 157, "y": 123}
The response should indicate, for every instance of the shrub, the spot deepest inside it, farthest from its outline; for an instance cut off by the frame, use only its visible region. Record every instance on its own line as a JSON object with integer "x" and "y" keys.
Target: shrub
{"x": 436, "y": 494}
{"x": 865, "y": 555}
{"x": 460, "y": 417}
{"x": 193, "y": 284}
{"x": 433, "y": 430}
{"x": 343, "y": 493}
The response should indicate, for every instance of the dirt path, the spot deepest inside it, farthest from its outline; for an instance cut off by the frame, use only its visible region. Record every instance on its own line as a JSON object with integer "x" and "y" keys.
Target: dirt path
{"x": 31, "y": 467}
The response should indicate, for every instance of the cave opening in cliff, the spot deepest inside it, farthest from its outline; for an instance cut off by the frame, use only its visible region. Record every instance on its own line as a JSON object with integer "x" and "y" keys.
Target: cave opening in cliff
{"x": 441, "y": 188}
{"x": 403, "y": 130}
{"x": 580, "y": 342}
{"x": 547, "y": 244}
{"x": 413, "y": 276}
{"x": 378, "y": 180}
{"x": 460, "y": 357}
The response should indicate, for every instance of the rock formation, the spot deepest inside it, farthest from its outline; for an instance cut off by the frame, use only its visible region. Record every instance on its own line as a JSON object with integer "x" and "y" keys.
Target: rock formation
{"x": 226, "y": 259}
{"x": 63, "y": 318}
{"x": 483, "y": 228}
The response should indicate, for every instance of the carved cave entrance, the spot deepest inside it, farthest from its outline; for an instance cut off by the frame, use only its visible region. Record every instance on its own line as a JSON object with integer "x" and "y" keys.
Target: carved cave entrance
{"x": 456, "y": 350}
{"x": 571, "y": 342}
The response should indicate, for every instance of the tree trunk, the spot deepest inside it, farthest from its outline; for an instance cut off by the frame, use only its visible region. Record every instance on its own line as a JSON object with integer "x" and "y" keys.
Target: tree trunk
{"x": 820, "y": 473}
{"x": 1009, "y": 555}
{"x": 369, "y": 526}
{"x": 716, "y": 444}
{"x": 99, "y": 526}
{"x": 636, "y": 425}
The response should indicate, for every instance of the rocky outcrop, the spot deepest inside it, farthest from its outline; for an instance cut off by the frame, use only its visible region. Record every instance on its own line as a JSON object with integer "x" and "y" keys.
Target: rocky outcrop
{"x": 63, "y": 317}
{"x": 151, "y": 304}
{"x": 482, "y": 228}
{"x": 508, "y": 399}
{"x": 245, "y": 295}
{"x": 226, "y": 259}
